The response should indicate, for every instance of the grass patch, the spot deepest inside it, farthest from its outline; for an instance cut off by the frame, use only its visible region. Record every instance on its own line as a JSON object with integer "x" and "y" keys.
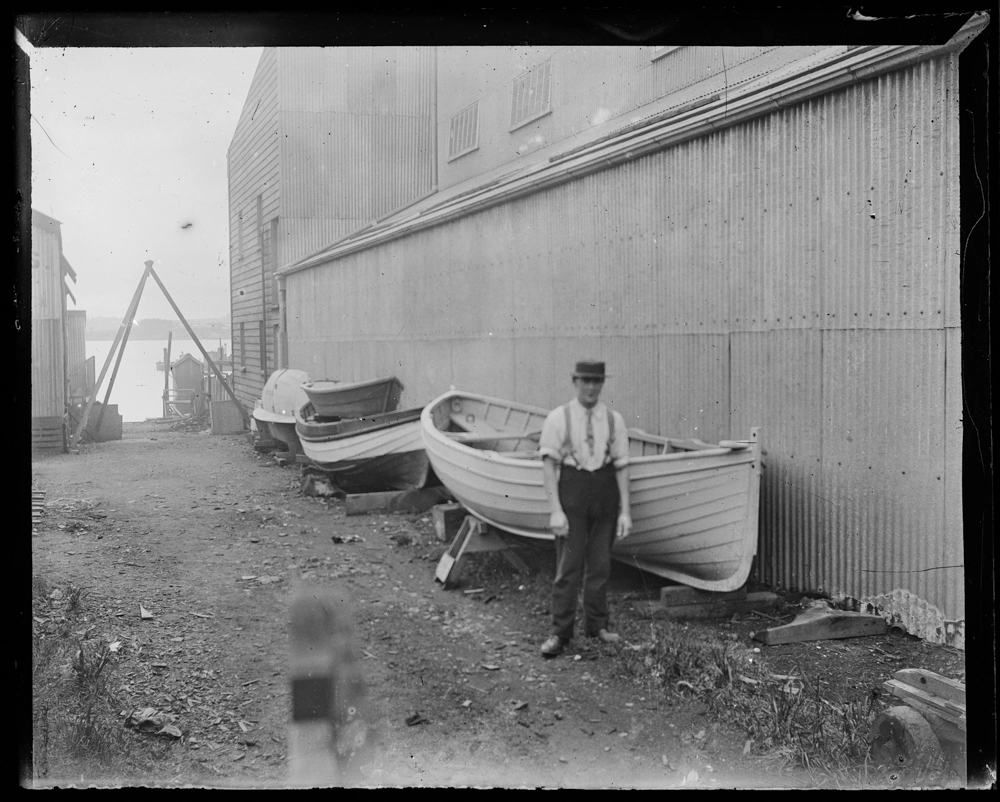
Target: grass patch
{"x": 77, "y": 730}
{"x": 784, "y": 718}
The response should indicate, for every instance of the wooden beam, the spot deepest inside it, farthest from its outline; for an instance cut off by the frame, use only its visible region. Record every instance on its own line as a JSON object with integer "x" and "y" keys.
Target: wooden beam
{"x": 114, "y": 372}
{"x": 447, "y": 519}
{"x": 395, "y": 501}
{"x": 471, "y": 437}
{"x": 243, "y": 413}
{"x": 928, "y": 681}
{"x": 720, "y": 608}
{"x": 922, "y": 701}
{"x": 672, "y": 595}
{"x": 823, "y": 625}
{"x": 126, "y": 324}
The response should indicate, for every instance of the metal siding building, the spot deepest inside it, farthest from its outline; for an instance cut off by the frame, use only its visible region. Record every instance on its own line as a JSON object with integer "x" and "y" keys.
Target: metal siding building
{"x": 787, "y": 257}
{"x": 329, "y": 140}
{"x": 76, "y": 353}
{"x": 48, "y": 373}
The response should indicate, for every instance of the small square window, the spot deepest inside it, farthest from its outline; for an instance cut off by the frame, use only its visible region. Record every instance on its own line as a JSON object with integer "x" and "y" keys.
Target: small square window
{"x": 531, "y": 95}
{"x": 464, "y": 136}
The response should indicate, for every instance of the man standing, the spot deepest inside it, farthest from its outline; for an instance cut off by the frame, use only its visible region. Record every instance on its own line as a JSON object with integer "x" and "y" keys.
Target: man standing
{"x": 584, "y": 448}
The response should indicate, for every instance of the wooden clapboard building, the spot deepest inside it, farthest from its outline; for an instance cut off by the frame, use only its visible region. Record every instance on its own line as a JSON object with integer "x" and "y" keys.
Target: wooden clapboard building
{"x": 330, "y": 140}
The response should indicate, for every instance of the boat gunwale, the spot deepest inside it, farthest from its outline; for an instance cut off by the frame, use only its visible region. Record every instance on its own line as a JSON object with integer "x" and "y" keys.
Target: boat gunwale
{"x": 267, "y": 416}
{"x": 378, "y": 426}
{"x": 739, "y": 455}
{"x": 340, "y": 386}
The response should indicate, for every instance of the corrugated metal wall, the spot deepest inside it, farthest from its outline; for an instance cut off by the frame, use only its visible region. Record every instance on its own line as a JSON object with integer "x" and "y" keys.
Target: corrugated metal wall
{"x": 329, "y": 140}
{"x": 590, "y": 86}
{"x": 47, "y": 288}
{"x": 798, "y": 272}
{"x": 76, "y": 351}
{"x": 356, "y": 138}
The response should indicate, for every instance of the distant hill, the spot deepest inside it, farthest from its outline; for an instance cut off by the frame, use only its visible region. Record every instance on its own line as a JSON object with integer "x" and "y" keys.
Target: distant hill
{"x": 106, "y": 328}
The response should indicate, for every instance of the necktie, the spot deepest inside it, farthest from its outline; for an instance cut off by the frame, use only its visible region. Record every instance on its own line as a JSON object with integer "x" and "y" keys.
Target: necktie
{"x": 590, "y": 430}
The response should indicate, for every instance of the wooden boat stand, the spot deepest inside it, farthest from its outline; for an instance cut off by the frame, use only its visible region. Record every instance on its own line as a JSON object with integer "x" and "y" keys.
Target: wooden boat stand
{"x": 928, "y": 731}
{"x": 474, "y": 537}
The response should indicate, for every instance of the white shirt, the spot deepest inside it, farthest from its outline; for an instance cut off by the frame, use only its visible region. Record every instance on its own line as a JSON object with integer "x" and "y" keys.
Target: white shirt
{"x": 582, "y": 455}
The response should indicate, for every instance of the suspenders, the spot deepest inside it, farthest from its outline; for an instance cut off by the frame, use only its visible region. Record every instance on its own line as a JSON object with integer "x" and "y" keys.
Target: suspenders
{"x": 567, "y": 446}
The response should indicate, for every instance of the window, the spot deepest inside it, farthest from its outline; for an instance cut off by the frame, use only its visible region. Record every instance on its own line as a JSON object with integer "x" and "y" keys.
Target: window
{"x": 239, "y": 235}
{"x": 241, "y": 346}
{"x": 464, "y": 132}
{"x": 530, "y": 97}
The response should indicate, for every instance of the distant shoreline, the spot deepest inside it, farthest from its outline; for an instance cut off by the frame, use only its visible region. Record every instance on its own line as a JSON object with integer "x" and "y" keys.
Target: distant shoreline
{"x": 108, "y": 337}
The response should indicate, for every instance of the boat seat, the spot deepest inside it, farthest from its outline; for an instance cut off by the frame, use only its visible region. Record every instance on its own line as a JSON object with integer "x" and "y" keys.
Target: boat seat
{"x": 479, "y": 427}
{"x": 521, "y": 454}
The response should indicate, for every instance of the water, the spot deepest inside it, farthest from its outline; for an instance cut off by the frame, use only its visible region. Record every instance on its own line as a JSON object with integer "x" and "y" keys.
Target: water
{"x": 138, "y": 388}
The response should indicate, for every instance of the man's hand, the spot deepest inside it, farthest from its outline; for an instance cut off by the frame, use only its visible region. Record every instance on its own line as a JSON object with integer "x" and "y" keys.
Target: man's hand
{"x": 559, "y": 524}
{"x": 624, "y": 526}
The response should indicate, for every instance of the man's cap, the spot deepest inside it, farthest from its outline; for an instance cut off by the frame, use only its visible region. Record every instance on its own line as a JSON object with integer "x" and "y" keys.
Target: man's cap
{"x": 589, "y": 369}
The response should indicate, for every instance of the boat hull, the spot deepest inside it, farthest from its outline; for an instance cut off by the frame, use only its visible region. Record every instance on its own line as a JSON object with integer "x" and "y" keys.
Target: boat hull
{"x": 379, "y": 452}
{"x": 282, "y": 395}
{"x": 694, "y": 511}
{"x": 345, "y": 400}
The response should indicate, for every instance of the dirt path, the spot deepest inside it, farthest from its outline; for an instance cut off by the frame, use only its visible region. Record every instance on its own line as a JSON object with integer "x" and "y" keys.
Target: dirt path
{"x": 210, "y": 538}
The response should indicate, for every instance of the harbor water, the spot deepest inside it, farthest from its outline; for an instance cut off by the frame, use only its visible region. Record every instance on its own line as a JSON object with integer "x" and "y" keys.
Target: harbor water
{"x": 138, "y": 387}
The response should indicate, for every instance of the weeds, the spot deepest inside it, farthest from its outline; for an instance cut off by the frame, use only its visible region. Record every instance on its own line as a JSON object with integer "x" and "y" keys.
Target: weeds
{"x": 76, "y": 720}
{"x": 785, "y": 718}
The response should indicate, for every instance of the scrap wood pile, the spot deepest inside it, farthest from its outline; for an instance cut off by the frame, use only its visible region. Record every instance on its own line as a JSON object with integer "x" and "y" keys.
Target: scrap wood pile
{"x": 192, "y": 423}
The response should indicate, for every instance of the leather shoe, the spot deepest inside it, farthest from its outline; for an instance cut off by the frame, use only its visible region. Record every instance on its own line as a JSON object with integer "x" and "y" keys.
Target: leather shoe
{"x": 604, "y": 636}
{"x": 553, "y": 646}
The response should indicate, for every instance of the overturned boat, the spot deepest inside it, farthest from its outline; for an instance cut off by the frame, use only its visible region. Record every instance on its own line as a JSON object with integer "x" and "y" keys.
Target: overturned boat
{"x": 695, "y": 505}
{"x": 374, "y": 452}
{"x": 334, "y": 400}
{"x": 275, "y": 412}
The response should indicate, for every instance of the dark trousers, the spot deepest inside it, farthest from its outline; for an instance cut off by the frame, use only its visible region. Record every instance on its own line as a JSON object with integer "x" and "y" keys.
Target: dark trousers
{"x": 591, "y": 503}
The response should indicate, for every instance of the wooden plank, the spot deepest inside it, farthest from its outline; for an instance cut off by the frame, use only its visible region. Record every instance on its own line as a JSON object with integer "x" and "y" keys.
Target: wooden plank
{"x": 462, "y": 437}
{"x": 720, "y": 608}
{"x": 935, "y": 684}
{"x": 447, "y": 519}
{"x": 682, "y": 594}
{"x": 475, "y": 537}
{"x": 395, "y": 501}
{"x": 519, "y": 565}
{"x": 447, "y": 572}
{"x": 823, "y": 625}
{"x": 922, "y": 701}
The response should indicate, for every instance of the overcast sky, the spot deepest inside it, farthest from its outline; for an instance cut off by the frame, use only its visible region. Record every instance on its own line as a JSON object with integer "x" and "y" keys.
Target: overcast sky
{"x": 128, "y": 146}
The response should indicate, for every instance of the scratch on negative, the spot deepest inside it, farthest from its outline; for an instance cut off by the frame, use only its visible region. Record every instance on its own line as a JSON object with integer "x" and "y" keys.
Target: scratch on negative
{"x": 816, "y": 495}
{"x": 912, "y": 571}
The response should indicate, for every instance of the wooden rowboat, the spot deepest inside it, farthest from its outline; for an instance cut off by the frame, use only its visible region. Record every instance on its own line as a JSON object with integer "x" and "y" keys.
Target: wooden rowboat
{"x": 694, "y": 505}
{"x": 282, "y": 395}
{"x": 375, "y": 452}
{"x": 333, "y": 400}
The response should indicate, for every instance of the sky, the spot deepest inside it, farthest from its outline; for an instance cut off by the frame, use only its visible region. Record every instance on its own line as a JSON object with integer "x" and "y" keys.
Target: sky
{"x": 128, "y": 150}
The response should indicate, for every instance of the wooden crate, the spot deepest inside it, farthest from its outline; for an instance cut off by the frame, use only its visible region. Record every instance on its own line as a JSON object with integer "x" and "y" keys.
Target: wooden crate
{"x": 226, "y": 418}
